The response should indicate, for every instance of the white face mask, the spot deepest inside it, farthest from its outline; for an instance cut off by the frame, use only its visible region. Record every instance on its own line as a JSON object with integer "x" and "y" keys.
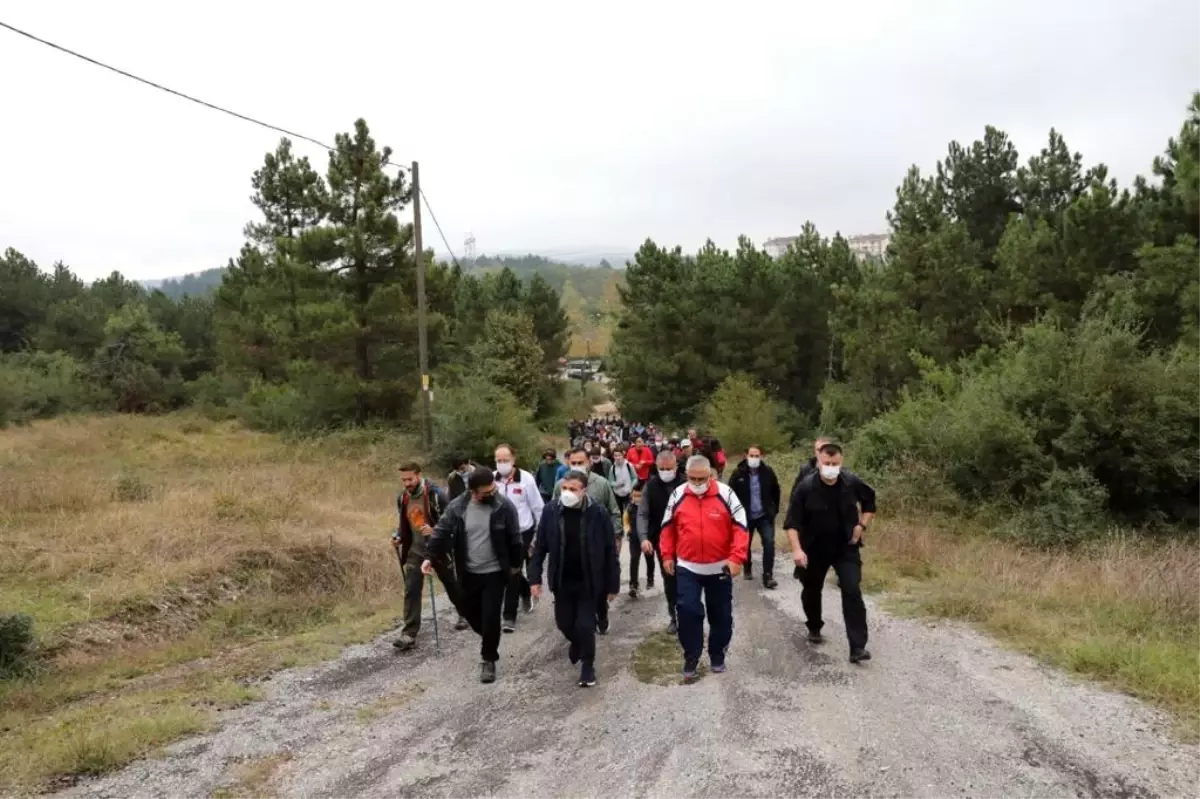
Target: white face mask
{"x": 504, "y": 467}
{"x": 698, "y": 489}
{"x": 666, "y": 475}
{"x": 570, "y": 499}
{"x": 829, "y": 472}
{"x": 754, "y": 463}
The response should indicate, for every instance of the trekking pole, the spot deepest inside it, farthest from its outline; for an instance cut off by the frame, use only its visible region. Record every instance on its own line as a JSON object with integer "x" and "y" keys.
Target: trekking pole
{"x": 437, "y": 641}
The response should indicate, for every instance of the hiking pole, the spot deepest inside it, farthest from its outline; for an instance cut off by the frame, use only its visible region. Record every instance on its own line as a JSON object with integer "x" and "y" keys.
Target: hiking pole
{"x": 437, "y": 641}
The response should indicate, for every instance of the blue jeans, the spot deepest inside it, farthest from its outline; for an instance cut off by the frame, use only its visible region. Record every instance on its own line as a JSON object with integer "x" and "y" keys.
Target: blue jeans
{"x": 718, "y": 600}
{"x": 765, "y": 527}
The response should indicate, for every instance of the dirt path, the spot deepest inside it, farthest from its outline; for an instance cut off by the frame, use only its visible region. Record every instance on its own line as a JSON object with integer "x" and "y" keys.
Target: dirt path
{"x": 941, "y": 711}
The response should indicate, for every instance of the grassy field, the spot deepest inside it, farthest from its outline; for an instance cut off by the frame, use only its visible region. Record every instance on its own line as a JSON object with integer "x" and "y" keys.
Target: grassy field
{"x": 168, "y": 562}
{"x": 1124, "y": 611}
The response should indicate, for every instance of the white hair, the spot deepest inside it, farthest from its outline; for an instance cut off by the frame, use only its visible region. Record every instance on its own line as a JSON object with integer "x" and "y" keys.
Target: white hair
{"x": 664, "y": 456}
{"x": 698, "y": 461}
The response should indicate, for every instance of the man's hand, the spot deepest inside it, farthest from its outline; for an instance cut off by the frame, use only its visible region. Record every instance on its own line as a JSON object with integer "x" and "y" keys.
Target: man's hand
{"x": 427, "y": 567}
{"x": 735, "y": 569}
{"x": 647, "y": 547}
{"x": 800, "y": 558}
{"x": 535, "y": 591}
{"x": 858, "y": 534}
{"x": 427, "y": 531}
{"x": 611, "y": 597}
{"x": 396, "y": 542}
{"x": 669, "y": 567}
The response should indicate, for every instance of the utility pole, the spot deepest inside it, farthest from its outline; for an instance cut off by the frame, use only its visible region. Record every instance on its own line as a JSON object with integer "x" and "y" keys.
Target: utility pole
{"x": 422, "y": 331}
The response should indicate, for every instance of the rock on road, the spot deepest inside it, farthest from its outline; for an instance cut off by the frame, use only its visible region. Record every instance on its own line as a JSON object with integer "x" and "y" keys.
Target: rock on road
{"x": 940, "y": 711}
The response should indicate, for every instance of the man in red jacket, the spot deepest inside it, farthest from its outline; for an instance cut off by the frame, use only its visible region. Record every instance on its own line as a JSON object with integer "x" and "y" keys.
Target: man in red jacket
{"x": 641, "y": 458}
{"x": 704, "y": 544}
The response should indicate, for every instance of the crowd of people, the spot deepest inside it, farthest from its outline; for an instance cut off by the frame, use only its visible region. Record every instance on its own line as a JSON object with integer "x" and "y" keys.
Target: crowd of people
{"x": 499, "y": 535}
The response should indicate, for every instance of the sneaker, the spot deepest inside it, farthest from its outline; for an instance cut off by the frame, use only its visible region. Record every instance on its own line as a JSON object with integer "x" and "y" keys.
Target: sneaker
{"x": 527, "y": 604}
{"x": 859, "y": 655}
{"x": 587, "y": 675}
{"x": 718, "y": 668}
{"x": 405, "y": 642}
{"x": 573, "y": 653}
{"x": 487, "y": 672}
{"x": 461, "y": 624}
{"x": 673, "y": 627}
{"x": 509, "y": 625}
{"x": 633, "y": 593}
{"x": 769, "y": 582}
{"x": 815, "y": 637}
{"x": 689, "y": 670}
{"x": 649, "y": 583}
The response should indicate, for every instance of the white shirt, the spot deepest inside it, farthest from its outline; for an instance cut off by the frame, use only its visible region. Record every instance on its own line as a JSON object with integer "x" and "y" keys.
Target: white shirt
{"x": 524, "y": 495}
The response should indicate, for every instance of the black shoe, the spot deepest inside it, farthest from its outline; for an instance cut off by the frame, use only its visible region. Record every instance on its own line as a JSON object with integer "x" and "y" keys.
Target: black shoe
{"x": 690, "y": 670}
{"x": 649, "y": 583}
{"x": 461, "y": 624}
{"x": 815, "y": 637}
{"x": 509, "y": 625}
{"x": 602, "y": 627}
{"x": 769, "y": 582}
{"x": 587, "y": 675}
{"x": 859, "y": 655}
{"x": 748, "y": 572}
{"x": 526, "y": 604}
{"x": 573, "y": 653}
{"x": 633, "y": 593}
{"x": 673, "y": 627}
{"x": 405, "y": 642}
{"x": 487, "y": 672}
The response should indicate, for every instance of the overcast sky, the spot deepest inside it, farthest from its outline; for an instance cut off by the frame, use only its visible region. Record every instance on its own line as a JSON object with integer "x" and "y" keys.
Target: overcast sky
{"x": 542, "y": 126}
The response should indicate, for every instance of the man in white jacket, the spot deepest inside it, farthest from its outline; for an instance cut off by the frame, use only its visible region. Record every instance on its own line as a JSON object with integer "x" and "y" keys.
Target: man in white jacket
{"x": 520, "y": 487}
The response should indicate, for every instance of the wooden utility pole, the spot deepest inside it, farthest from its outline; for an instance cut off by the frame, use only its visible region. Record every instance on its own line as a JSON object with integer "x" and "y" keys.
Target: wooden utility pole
{"x": 422, "y": 330}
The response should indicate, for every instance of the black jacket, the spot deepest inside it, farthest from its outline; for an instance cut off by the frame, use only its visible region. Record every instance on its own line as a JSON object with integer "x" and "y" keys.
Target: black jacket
{"x": 450, "y": 534}
{"x": 456, "y": 486}
{"x": 602, "y": 566}
{"x": 854, "y": 495}
{"x": 654, "y": 504}
{"x": 435, "y": 504}
{"x": 768, "y": 485}
{"x": 809, "y": 467}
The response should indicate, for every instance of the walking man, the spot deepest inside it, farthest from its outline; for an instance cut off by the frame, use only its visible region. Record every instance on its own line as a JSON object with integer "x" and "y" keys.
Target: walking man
{"x": 584, "y": 571}
{"x": 624, "y": 477}
{"x": 704, "y": 529}
{"x": 481, "y": 529}
{"x": 420, "y": 505}
{"x": 810, "y": 465}
{"x": 518, "y": 487}
{"x": 636, "y": 536}
{"x": 828, "y": 515}
{"x": 549, "y": 472}
{"x": 600, "y": 491}
{"x": 655, "y": 497}
{"x": 642, "y": 459}
{"x": 456, "y": 481}
{"x": 757, "y": 487}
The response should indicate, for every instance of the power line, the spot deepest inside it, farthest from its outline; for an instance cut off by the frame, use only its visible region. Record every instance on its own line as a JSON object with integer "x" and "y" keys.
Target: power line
{"x": 433, "y": 216}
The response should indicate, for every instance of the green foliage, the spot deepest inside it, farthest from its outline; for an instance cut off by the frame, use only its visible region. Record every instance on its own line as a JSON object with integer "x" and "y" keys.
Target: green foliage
{"x": 474, "y": 417}
{"x": 509, "y": 356}
{"x": 138, "y": 363}
{"x": 38, "y": 385}
{"x": 739, "y": 413}
{"x": 17, "y": 653}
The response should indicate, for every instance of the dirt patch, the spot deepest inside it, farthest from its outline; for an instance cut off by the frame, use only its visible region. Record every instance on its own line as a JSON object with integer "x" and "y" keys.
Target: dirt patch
{"x": 659, "y": 661}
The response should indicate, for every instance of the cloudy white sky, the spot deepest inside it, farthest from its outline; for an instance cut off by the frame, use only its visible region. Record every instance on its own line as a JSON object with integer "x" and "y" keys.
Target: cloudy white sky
{"x": 557, "y": 126}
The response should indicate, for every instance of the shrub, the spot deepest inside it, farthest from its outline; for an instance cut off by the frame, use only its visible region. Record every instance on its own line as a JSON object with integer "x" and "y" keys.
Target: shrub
{"x": 475, "y": 416}
{"x": 38, "y": 385}
{"x": 314, "y": 398}
{"x": 739, "y": 413}
{"x": 16, "y": 645}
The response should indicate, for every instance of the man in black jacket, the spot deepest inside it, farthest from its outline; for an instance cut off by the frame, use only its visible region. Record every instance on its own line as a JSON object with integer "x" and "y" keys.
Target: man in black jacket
{"x": 585, "y": 569}
{"x": 662, "y": 483}
{"x": 829, "y": 513}
{"x": 481, "y": 528}
{"x": 456, "y": 481}
{"x": 810, "y": 465}
{"x": 757, "y": 488}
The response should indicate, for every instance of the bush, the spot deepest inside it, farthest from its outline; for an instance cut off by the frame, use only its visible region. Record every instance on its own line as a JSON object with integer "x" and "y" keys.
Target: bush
{"x": 38, "y": 385}
{"x": 16, "y": 645}
{"x": 475, "y": 416}
{"x": 313, "y": 398}
{"x": 739, "y": 414}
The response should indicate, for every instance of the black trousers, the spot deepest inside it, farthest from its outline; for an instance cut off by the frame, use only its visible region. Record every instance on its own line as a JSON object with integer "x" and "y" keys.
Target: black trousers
{"x": 669, "y": 585}
{"x": 635, "y": 563}
{"x": 518, "y": 584}
{"x": 575, "y": 612}
{"x": 482, "y": 596}
{"x": 848, "y": 567}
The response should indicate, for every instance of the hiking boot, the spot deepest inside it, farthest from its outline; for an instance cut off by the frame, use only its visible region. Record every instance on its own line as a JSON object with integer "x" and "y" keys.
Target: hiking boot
{"x": 509, "y": 625}
{"x": 573, "y": 653}
{"x": 859, "y": 655}
{"x": 690, "y": 668}
{"x": 673, "y": 627}
{"x": 527, "y": 604}
{"x": 815, "y": 637}
{"x": 587, "y": 675}
{"x": 461, "y": 624}
{"x": 487, "y": 672}
{"x": 769, "y": 582}
{"x": 405, "y": 642}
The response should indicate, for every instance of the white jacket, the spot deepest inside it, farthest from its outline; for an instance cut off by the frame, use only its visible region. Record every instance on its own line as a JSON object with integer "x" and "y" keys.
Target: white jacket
{"x": 521, "y": 489}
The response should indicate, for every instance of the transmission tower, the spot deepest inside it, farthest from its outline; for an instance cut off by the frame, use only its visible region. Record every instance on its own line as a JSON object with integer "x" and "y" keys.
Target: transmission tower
{"x": 469, "y": 247}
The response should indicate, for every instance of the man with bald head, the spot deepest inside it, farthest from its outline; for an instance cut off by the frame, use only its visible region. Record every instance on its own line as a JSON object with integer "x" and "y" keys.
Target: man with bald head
{"x": 655, "y": 495}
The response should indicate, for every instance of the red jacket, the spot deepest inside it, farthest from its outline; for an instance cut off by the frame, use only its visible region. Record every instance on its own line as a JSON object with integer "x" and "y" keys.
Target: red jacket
{"x": 704, "y": 529}
{"x": 642, "y": 459}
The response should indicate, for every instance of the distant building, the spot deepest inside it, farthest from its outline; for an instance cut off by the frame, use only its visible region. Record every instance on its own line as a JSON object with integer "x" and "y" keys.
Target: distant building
{"x": 777, "y": 247}
{"x": 873, "y": 245}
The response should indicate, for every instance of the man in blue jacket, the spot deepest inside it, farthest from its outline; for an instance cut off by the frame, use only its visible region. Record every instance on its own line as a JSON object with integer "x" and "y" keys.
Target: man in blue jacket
{"x": 585, "y": 572}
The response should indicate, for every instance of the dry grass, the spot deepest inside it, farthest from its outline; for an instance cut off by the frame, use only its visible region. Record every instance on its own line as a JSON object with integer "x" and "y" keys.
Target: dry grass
{"x": 252, "y": 778}
{"x": 165, "y": 561}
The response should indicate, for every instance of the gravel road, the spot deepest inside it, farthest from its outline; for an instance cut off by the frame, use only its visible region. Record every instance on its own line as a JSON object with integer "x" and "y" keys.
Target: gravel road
{"x": 941, "y": 711}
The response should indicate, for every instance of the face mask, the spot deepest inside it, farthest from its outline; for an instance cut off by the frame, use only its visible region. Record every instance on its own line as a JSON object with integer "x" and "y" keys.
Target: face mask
{"x": 830, "y": 472}
{"x": 595, "y": 459}
{"x": 666, "y": 475}
{"x": 579, "y": 466}
{"x": 504, "y": 467}
{"x": 754, "y": 463}
{"x": 484, "y": 497}
{"x": 699, "y": 489}
{"x": 570, "y": 499}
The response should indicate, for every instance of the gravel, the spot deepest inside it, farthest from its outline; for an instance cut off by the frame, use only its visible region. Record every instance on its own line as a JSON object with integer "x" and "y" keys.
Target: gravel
{"x": 940, "y": 711}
